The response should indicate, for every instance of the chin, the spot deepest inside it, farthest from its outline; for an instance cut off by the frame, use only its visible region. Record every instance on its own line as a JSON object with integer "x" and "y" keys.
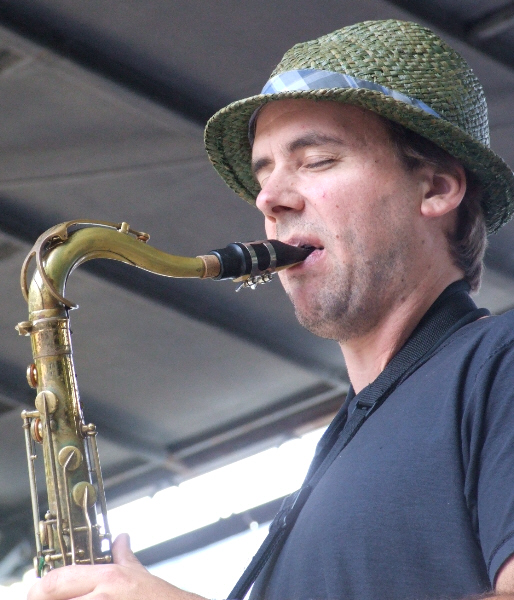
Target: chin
{"x": 309, "y": 313}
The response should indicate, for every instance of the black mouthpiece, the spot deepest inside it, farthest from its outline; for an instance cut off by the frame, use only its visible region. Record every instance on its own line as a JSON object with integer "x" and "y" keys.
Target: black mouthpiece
{"x": 257, "y": 258}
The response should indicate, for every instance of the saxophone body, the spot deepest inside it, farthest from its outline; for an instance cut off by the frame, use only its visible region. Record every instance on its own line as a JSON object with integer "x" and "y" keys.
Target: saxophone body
{"x": 75, "y": 528}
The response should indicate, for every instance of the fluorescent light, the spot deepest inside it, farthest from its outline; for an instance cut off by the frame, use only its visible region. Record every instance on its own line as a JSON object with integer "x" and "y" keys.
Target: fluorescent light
{"x": 220, "y": 564}
{"x": 215, "y": 495}
{"x": 203, "y": 500}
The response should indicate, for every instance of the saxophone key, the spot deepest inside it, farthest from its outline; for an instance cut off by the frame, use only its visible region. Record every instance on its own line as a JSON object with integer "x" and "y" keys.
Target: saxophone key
{"x": 48, "y": 398}
{"x": 36, "y": 430}
{"x": 70, "y": 457}
{"x": 82, "y": 490}
{"x": 32, "y": 377}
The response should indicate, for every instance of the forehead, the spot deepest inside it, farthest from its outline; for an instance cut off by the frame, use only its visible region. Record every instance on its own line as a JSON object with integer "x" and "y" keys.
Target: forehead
{"x": 296, "y": 116}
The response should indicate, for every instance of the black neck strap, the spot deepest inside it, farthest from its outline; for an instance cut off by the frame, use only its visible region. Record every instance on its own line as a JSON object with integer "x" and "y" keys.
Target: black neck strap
{"x": 452, "y": 310}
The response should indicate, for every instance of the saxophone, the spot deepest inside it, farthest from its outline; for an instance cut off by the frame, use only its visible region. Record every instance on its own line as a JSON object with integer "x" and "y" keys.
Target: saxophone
{"x": 75, "y": 528}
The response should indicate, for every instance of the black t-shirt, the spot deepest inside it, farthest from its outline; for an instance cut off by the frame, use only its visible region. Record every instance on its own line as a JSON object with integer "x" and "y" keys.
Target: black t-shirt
{"x": 420, "y": 504}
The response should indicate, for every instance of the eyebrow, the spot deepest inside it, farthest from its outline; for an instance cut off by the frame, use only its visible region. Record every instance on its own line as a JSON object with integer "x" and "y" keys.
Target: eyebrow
{"x": 305, "y": 141}
{"x": 313, "y": 139}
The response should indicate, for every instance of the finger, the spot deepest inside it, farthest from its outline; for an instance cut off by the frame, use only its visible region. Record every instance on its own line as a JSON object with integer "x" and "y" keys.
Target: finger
{"x": 123, "y": 555}
{"x": 66, "y": 582}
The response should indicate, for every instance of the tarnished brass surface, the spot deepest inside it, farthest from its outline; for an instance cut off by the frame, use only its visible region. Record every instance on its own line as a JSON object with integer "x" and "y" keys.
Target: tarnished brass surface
{"x": 58, "y": 252}
{"x": 46, "y": 398}
{"x": 70, "y": 532}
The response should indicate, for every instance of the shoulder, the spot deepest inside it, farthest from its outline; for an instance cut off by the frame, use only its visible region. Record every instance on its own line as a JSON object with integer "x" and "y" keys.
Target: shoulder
{"x": 484, "y": 337}
{"x": 478, "y": 355}
{"x": 481, "y": 356}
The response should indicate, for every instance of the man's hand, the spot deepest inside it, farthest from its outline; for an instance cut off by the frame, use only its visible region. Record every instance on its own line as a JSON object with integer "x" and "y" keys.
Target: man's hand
{"x": 126, "y": 579}
{"x": 505, "y": 578}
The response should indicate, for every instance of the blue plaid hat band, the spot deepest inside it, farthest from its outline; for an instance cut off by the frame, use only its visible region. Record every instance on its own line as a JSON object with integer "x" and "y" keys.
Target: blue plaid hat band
{"x": 317, "y": 79}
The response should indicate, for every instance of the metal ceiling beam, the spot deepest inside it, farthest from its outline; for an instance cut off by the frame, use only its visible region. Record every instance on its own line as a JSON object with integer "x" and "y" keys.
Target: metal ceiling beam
{"x": 14, "y": 389}
{"x": 17, "y": 545}
{"x": 493, "y": 24}
{"x": 15, "y": 394}
{"x": 440, "y": 16}
{"x": 190, "y": 456}
{"x": 210, "y": 534}
{"x": 172, "y": 465}
{"x": 15, "y": 558}
{"x": 44, "y": 28}
{"x": 233, "y": 441}
{"x": 466, "y": 31}
{"x": 180, "y": 295}
{"x": 279, "y": 420}
{"x": 183, "y": 296}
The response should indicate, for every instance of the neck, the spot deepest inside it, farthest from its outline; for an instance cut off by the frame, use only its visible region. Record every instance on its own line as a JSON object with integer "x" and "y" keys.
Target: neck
{"x": 368, "y": 355}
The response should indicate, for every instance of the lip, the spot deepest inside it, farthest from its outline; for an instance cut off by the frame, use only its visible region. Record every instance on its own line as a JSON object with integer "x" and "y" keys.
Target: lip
{"x": 314, "y": 256}
{"x": 304, "y": 241}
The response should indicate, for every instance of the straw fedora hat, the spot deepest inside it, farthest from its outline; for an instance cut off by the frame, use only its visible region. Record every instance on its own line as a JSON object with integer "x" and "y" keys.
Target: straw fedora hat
{"x": 397, "y": 69}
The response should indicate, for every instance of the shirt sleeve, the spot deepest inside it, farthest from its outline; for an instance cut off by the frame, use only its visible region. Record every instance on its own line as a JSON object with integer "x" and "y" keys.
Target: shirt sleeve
{"x": 488, "y": 450}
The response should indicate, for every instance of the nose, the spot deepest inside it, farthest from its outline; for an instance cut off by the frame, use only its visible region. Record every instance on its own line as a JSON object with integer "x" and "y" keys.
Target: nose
{"x": 278, "y": 196}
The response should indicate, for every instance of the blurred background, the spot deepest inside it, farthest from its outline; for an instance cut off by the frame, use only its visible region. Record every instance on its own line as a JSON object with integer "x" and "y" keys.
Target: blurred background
{"x": 192, "y": 387}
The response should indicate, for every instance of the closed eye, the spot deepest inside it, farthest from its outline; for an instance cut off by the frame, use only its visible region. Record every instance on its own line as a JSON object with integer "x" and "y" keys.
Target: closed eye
{"x": 320, "y": 163}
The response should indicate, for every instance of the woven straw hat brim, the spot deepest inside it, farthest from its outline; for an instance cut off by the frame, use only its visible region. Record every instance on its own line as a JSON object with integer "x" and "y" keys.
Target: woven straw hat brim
{"x": 228, "y": 146}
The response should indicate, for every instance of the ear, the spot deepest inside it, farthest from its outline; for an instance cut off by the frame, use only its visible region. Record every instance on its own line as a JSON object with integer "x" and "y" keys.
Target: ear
{"x": 442, "y": 191}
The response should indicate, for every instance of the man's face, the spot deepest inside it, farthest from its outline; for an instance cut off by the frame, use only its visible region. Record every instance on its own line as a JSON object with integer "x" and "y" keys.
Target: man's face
{"x": 330, "y": 178}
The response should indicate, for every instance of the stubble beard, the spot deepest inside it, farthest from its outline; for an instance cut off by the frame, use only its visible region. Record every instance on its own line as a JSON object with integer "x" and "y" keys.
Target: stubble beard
{"x": 354, "y": 300}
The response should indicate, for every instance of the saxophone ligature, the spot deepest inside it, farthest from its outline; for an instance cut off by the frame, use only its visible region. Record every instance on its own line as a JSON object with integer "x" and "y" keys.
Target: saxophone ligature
{"x": 75, "y": 528}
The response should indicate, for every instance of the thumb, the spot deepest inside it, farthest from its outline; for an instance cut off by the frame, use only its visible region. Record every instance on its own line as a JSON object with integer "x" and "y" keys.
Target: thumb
{"x": 122, "y": 554}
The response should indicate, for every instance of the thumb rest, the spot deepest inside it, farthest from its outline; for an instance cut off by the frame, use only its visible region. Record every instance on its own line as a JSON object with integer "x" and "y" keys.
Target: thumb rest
{"x": 70, "y": 532}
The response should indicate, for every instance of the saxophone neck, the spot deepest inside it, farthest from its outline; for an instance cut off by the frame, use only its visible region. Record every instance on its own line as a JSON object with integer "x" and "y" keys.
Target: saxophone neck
{"x": 58, "y": 252}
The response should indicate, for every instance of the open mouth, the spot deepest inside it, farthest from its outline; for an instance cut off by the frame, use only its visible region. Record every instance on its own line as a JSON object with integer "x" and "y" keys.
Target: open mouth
{"x": 313, "y": 252}
{"x": 311, "y": 247}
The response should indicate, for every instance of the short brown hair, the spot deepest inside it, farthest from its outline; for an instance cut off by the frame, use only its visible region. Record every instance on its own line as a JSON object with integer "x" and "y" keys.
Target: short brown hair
{"x": 467, "y": 244}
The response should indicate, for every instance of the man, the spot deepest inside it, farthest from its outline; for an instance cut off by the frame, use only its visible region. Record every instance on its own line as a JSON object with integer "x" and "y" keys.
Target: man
{"x": 371, "y": 145}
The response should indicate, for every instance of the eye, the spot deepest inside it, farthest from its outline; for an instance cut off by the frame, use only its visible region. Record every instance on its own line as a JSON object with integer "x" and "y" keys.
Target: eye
{"x": 320, "y": 163}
